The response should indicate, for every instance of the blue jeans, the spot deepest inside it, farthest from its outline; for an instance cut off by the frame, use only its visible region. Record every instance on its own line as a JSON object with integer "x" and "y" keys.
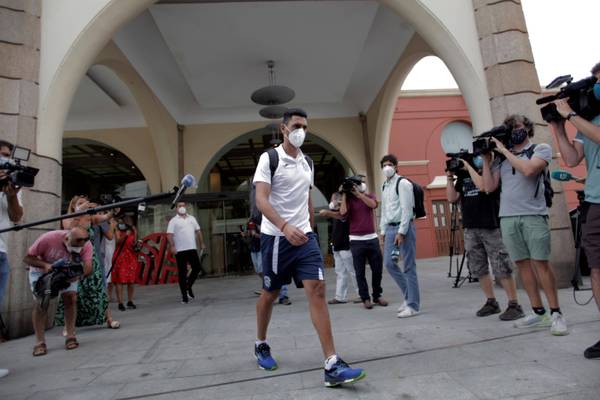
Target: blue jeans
{"x": 406, "y": 278}
{"x": 3, "y": 274}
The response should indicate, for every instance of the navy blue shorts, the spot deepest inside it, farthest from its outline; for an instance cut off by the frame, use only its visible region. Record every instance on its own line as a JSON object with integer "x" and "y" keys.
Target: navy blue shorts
{"x": 281, "y": 261}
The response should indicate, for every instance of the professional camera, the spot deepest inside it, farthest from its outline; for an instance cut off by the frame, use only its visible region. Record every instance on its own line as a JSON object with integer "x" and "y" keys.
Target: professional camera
{"x": 455, "y": 163}
{"x": 19, "y": 175}
{"x": 483, "y": 143}
{"x": 49, "y": 285}
{"x": 349, "y": 182}
{"x": 580, "y": 94}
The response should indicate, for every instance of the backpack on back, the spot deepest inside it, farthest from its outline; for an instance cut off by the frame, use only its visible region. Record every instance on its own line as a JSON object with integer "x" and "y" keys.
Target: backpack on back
{"x": 545, "y": 177}
{"x": 255, "y": 213}
{"x": 418, "y": 195}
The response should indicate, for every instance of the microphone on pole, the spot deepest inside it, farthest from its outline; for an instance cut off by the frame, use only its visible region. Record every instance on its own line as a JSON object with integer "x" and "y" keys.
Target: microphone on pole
{"x": 564, "y": 176}
{"x": 186, "y": 182}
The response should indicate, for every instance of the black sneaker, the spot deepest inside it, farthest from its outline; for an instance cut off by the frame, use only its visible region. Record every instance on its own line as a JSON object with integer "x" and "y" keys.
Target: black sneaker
{"x": 285, "y": 301}
{"x": 131, "y": 305}
{"x": 490, "y": 307}
{"x": 190, "y": 293}
{"x": 185, "y": 300}
{"x": 121, "y": 307}
{"x": 592, "y": 352}
{"x": 513, "y": 312}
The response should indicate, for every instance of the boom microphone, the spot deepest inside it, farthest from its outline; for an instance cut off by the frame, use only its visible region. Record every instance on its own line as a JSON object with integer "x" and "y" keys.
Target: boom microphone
{"x": 563, "y": 176}
{"x": 186, "y": 182}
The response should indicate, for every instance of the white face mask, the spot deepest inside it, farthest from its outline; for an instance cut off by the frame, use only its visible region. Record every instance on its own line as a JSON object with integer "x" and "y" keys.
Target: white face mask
{"x": 363, "y": 187}
{"x": 296, "y": 137}
{"x": 181, "y": 210}
{"x": 332, "y": 206}
{"x": 388, "y": 171}
{"x": 73, "y": 249}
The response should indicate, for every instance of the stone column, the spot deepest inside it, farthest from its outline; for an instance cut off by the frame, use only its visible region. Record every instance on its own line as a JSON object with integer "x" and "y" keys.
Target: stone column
{"x": 514, "y": 86}
{"x": 19, "y": 71}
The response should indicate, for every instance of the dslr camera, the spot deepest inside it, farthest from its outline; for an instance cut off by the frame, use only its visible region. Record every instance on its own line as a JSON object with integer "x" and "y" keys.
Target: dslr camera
{"x": 16, "y": 173}
{"x": 455, "y": 163}
{"x": 349, "y": 182}
{"x": 580, "y": 94}
{"x": 483, "y": 143}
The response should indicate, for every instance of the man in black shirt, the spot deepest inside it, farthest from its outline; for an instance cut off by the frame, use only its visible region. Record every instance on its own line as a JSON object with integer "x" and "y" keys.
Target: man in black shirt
{"x": 344, "y": 266}
{"x": 483, "y": 240}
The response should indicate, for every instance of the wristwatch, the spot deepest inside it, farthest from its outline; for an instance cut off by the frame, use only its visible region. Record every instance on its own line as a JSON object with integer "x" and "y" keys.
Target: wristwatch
{"x": 571, "y": 114}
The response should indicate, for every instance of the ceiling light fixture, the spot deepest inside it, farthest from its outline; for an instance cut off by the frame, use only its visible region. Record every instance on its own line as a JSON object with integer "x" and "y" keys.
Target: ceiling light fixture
{"x": 272, "y": 95}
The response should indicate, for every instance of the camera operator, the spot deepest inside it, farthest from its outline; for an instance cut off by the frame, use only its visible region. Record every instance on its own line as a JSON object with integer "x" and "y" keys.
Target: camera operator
{"x": 50, "y": 250}
{"x": 586, "y": 144}
{"x": 483, "y": 239}
{"x": 524, "y": 218}
{"x": 397, "y": 228}
{"x": 358, "y": 207}
{"x": 11, "y": 211}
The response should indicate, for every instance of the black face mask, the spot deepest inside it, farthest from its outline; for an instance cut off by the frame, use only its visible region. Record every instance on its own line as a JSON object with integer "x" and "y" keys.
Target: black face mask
{"x": 518, "y": 136}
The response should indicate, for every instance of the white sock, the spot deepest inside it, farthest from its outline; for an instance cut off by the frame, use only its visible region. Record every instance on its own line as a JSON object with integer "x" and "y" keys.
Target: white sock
{"x": 259, "y": 342}
{"x": 330, "y": 361}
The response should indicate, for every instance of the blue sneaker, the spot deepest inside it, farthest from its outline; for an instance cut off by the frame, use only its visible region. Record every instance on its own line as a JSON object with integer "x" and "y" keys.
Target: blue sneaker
{"x": 263, "y": 357}
{"x": 342, "y": 373}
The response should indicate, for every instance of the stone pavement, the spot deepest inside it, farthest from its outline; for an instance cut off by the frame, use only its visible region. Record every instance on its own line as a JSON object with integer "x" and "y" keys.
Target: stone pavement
{"x": 166, "y": 350}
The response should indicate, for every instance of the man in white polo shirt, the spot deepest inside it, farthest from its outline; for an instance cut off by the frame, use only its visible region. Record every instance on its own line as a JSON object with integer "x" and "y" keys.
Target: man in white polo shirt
{"x": 289, "y": 247}
{"x": 182, "y": 232}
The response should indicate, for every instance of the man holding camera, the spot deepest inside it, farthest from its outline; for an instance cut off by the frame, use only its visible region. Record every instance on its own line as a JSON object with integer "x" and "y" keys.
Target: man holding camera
{"x": 357, "y": 207}
{"x": 289, "y": 247}
{"x": 524, "y": 218}
{"x": 483, "y": 239}
{"x": 586, "y": 145}
{"x": 11, "y": 211}
{"x": 398, "y": 235}
{"x": 56, "y": 249}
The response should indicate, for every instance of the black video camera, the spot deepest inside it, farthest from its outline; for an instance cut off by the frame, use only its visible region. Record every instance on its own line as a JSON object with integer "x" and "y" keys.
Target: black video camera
{"x": 49, "y": 285}
{"x": 349, "y": 182}
{"x": 580, "y": 94}
{"x": 455, "y": 163}
{"x": 17, "y": 174}
{"x": 483, "y": 143}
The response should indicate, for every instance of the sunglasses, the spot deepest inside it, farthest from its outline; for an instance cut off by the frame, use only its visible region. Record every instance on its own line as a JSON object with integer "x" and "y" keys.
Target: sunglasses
{"x": 82, "y": 240}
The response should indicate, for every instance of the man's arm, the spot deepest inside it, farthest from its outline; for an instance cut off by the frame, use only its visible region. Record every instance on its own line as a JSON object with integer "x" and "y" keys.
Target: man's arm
{"x": 344, "y": 205}
{"x": 584, "y": 126}
{"x": 451, "y": 194}
{"x": 36, "y": 262}
{"x": 87, "y": 268}
{"x": 407, "y": 204}
{"x": 331, "y": 214}
{"x": 570, "y": 152}
{"x": 15, "y": 211}
{"x": 200, "y": 238}
{"x": 528, "y": 167}
{"x": 311, "y": 212}
{"x": 490, "y": 180}
{"x": 171, "y": 243}
{"x": 371, "y": 203}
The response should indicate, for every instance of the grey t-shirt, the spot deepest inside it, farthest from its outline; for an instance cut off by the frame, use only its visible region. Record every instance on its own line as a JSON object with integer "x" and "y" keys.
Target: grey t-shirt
{"x": 517, "y": 196}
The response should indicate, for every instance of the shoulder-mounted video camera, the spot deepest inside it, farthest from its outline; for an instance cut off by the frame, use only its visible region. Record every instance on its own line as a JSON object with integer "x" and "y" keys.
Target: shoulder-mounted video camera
{"x": 483, "y": 143}
{"x": 16, "y": 173}
{"x": 455, "y": 163}
{"x": 580, "y": 94}
{"x": 349, "y": 182}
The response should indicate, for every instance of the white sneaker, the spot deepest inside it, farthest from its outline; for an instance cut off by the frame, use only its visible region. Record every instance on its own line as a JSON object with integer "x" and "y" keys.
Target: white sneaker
{"x": 559, "y": 325}
{"x": 407, "y": 312}
{"x": 533, "y": 320}
{"x": 402, "y": 306}
{"x": 3, "y": 372}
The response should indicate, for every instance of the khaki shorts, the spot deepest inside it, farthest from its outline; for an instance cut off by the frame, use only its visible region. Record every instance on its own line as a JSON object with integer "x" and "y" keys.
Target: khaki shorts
{"x": 526, "y": 237}
{"x": 485, "y": 248}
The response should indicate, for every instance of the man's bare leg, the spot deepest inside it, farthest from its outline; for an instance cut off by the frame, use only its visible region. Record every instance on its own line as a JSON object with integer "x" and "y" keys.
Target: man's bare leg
{"x": 70, "y": 302}
{"x": 264, "y": 308}
{"x": 319, "y": 313}
{"x": 38, "y": 318}
{"x": 547, "y": 281}
{"x": 485, "y": 282}
{"x": 530, "y": 283}
{"x": 510, "y": 287}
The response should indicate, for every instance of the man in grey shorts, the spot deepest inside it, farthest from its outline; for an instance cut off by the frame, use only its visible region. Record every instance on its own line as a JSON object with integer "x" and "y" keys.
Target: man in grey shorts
{"x": 483, "y": 240}
{"x": 524, "y": 218}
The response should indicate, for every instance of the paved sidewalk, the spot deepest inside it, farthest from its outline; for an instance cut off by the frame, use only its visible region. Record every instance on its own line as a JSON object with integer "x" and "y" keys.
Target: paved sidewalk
{"x": 204, "y": 350}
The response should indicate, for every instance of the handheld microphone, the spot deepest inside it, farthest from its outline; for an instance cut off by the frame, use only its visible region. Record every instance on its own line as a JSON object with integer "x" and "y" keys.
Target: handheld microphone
{"x": 563, "y": 176}
{"x": 186, "y": 182}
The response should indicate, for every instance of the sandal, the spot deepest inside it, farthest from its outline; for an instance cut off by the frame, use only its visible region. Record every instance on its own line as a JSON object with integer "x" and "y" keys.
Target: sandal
{"x": 71, "y": 343}
{"x": 40, "y": 349}
{"x": 112, "y": 324}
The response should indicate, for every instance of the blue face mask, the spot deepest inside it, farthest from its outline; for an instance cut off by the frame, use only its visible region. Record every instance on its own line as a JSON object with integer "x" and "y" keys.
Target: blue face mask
{"x": 478, "y": 162}
{"x": 597, "y": 91}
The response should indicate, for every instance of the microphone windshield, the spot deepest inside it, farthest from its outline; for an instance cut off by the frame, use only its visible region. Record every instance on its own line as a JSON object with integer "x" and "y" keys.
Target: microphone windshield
{"x": 561, "y": 175}
{"x": 188, "y": 181}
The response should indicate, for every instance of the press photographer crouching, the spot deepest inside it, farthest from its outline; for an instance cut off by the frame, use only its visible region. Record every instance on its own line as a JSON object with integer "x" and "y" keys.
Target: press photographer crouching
{"x": 50, "y": 252}
{"x": 586, "y": 145}
{"x": 11, "y": 211}
{"x": 357, "y": 207}
{"x": 482, "y": 236}
{"x": 520, "y": 170}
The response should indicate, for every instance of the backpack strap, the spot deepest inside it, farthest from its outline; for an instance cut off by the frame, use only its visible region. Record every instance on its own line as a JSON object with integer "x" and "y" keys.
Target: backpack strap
{"x": 529, "y": 153}
{"x": 309, "y": 161}
{"x": 398, "y": 184}
{"x": 273, "y": 160}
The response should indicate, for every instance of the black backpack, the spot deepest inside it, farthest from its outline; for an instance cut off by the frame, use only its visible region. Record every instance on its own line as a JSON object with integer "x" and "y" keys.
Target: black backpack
{"x": 419, "y": 197}
{"x": 255, "y": 213}
{"x": 545, "y": 177}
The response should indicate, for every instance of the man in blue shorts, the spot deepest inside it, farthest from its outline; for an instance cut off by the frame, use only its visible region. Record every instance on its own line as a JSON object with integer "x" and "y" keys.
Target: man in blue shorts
{"x": 289, "y": 247}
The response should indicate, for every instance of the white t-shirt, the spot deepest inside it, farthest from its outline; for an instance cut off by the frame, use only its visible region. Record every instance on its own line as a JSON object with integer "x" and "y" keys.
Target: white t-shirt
{"x": 290, "y": 189}
{"x": 5, "y": 221}
{"x": 184, "y": 232}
